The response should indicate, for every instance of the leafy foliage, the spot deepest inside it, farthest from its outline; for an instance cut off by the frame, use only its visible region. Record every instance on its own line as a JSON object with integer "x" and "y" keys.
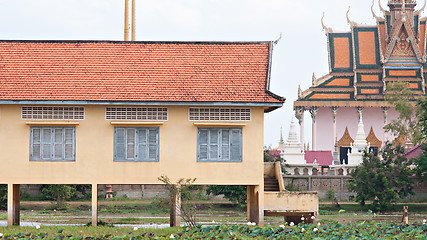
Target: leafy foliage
{"x": 361, "y": 230}
{"x": 59, "y": 193}
{"x": 3, "y": 197}
{"x": 399, "y": 94}
{"x": 421, "y": 162}
{"x": 382, "y": 182}
{"x": 270, "y": 156}
{"x": 238, "y": 194}
{"x": 235, "y": 194}
{"x": 182, "y": 188}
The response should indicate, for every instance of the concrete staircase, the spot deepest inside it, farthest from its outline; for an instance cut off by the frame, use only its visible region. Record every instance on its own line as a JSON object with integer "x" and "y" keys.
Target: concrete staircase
{"x": 271, "y": 185}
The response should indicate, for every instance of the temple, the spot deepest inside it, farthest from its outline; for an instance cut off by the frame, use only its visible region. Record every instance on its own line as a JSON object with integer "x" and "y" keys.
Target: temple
{"x": 361, "y": 64}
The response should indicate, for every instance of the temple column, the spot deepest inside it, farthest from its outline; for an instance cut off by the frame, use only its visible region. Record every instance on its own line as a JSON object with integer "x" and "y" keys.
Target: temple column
{"x": 94, "y": 204}
{"x": 13, "y": 204}
{"x": 334, "y": 124}
{"x": 313, "y": 112}
{"x": 385, "y": 113}
{"x": 299, "y": 114}
{"x": 255, "y": 204}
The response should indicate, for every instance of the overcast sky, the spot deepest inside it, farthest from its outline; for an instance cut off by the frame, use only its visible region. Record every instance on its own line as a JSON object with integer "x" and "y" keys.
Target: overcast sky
{"x": 301, "y": 51}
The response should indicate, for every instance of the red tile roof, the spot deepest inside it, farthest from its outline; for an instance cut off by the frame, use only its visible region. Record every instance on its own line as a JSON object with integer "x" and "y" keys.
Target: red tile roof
{"x": 135, "y": 71}
{"x": 323, "y": 158}
{"x": 414, "y": 152}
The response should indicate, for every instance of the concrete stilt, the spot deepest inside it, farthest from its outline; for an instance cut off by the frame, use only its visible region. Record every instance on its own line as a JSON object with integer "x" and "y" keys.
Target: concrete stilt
{"x": 94, "y": 204}
{"x": 175, "y": 211}
{"x": 13, "y": 204}
{"x": 255, "y": 204}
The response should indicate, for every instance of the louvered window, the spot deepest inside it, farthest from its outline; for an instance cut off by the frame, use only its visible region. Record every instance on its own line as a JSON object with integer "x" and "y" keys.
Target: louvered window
{"x": 136, "y": 113}
{"x": 52, "y": 113}
{"x": 139, "y": 144}
{"x": 52, "y": 143}
{"x": 219, "y": 144}
{"x": 219, "y": 114}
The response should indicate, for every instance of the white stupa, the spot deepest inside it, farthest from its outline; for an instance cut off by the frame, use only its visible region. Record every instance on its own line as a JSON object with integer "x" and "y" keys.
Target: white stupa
{"x": 294, "y": 156}
{"x": 355, "y": 158}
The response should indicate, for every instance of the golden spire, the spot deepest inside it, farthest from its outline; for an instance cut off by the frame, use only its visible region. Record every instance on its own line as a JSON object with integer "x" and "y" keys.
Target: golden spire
{"x": 313, "y": 79}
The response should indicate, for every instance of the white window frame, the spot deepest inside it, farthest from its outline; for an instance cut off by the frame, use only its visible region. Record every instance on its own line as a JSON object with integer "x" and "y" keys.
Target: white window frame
{"x": 52, "y": 113}
{"x": 215, "y": 150}
{"x": 219, "y": 114}
{"x": 52, "y": 143}
{"x": 136, "y": 113}
{"x": 136, "y": 144}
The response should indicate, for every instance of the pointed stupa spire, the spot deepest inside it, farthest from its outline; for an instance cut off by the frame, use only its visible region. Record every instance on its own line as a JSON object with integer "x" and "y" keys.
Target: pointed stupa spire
{"x": 281, "y": 135}
{"x": 292, "y": 144}
{"x": 360, "y": 136}
{"x": 292, "y": 137}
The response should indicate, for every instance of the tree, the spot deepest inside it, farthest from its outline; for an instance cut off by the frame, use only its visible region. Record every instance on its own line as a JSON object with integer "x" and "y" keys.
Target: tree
{"x": 59, "y": 193}
{"x": 182, "y": 188}
{"x": 406, "y": 125}
{"x": 3, "y": 197}
{"x": 271, "y": 157}
{"x": 382, "y": 182}
{"x": 234, "y": 193}
{"x": 237, "y": 194}
{"x": 421, "y": 161}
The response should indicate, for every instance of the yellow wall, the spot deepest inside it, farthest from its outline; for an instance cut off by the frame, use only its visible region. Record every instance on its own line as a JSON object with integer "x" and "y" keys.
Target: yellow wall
{"x": 94, "y": 153}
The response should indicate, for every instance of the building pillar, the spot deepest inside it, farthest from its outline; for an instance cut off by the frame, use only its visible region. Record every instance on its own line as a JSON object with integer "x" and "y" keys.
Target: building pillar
{"x": 334, "y": 122}
{"x": 385, "y": 113}
{"x": 255, "y": 204}
{"x": 175, "y": 211}
{"x": 299, "y": 114}
{"x": 313, "y": 112}
{"x": 94, "y": 204}
{"x": 13, "y": 204}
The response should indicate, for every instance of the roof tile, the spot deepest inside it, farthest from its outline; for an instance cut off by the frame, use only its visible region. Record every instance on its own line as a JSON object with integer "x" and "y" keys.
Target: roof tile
{"x": 137, "y": 71}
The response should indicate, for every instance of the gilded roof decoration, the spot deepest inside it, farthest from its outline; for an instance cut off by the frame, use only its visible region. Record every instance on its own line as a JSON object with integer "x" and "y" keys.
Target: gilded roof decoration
{"x": 373, "y": 140}
{"x": 346, "y": 140}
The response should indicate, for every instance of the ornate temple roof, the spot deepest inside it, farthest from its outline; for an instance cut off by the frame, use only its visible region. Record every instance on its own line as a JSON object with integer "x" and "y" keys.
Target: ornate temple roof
{"x": 363, "y": 60}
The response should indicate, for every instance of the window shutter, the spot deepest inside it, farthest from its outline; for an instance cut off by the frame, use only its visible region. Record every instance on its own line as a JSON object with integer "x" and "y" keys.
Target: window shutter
{"x": 69, "y": 140}
{"x": 46, "y": 143}
{"x": 142, "y": 144}
{"x": 225, "y": 144}
{"x": 130, "y": 143}
{"x": 236, "y": 145}
{"x": 58, "y": 147}
{"x": 36, "y": 145}
{"x": 153, "y": 142}
{"x": 120, "y": 144}
{"x": 203, "y": 144}
{"x": 214, "y": 144}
